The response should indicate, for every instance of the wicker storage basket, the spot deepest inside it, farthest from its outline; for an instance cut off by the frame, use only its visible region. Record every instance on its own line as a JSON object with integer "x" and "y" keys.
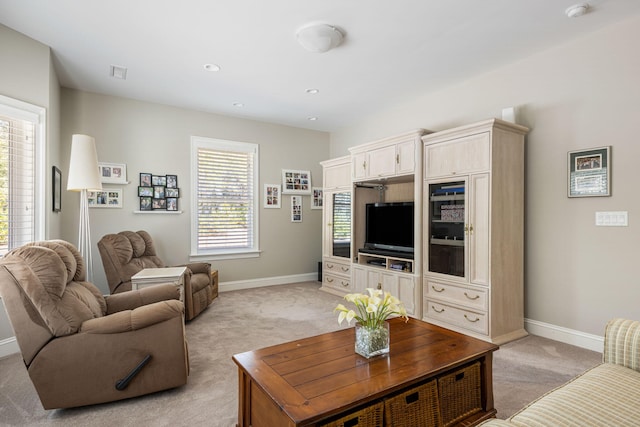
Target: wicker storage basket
{"x": 370, "y": 416}
{"x": 416, "y": 407}
{"x": 460, "y": 394}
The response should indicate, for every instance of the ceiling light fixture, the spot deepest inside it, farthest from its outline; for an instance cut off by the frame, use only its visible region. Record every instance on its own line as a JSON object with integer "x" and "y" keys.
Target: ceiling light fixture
{"x": 577, "y": 10}
{"x": 312, "y": 91}
{"x": 319, "y": 38}
{"x": 212, "y": 67}
{"x": 238, "y": 104}
{"x": 313, "y": 119}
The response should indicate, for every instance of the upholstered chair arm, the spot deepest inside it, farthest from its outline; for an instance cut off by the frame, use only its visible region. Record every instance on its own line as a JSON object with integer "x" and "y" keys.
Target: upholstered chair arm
{"x": 132, "y": 299}
{"x": 132, "y": 320}
{"x": 622, "y": 343}
{"x": 494, "y": 422}
{"x": 199, "y": 267}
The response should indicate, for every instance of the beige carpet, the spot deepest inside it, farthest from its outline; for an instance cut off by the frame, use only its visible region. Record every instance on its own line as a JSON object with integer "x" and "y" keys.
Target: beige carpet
{"x": 249, "y": 319}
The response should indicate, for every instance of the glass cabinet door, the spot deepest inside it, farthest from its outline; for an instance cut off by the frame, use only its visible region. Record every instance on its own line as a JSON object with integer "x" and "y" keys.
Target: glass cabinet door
{"x": 446, "y": 228}
{"x": 341, "y": 225}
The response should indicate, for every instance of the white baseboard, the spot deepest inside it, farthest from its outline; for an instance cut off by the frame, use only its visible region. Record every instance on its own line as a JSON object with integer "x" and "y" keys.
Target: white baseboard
{"x": 8, "y": 346}
{"x": 565, "y": 335}
{"x": 267, "y": 281}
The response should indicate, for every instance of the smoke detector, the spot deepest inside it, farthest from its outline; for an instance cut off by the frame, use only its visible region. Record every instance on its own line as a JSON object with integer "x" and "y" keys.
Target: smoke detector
{"x": 577, "y": 10}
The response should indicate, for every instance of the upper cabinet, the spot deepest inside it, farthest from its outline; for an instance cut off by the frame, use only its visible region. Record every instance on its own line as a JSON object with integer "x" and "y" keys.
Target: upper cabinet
{"x": 386, "y": 158}
{"x": 336, "y": 174}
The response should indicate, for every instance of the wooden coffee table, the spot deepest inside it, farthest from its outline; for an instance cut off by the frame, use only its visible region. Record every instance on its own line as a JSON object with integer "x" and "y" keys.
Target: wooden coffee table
{"x": 312, "y": 380}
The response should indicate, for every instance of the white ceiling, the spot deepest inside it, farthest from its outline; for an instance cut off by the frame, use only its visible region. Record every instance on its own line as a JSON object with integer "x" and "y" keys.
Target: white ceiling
{"x": 391, "y": 50}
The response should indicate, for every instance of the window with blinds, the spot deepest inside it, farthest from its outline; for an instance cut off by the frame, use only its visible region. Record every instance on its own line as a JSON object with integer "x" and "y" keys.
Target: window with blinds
{"x": 225, "y": 197}
{"x": 21, "y": 208}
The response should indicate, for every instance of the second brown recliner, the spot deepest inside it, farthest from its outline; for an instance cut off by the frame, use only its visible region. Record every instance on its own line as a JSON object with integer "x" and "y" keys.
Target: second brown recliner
{"x": 126, "y": 253}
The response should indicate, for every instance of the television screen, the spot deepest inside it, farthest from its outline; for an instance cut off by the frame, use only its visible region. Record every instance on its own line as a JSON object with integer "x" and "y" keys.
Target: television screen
{"x": 389, "y": 226}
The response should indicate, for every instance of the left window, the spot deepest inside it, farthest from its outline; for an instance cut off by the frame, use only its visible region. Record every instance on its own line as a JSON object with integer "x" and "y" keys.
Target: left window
{"x": 21, "y": 173}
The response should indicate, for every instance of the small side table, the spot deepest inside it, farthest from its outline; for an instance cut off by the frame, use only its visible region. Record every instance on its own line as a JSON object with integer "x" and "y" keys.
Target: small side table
{"x": 160, "y": 276}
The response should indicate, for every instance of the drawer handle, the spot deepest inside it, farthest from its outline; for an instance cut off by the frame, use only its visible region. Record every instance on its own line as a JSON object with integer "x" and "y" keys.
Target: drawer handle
{"x": 472, "y": 321}
{"x": 440, "y": 311}
{"x": 471, "y": 298}
{"x": 330, "y": 265}
{"x": 329, "y": 279}
{"x": 345, "y": 269}
{"x": 437, "y": 290}
{"x": 345, "y": 284}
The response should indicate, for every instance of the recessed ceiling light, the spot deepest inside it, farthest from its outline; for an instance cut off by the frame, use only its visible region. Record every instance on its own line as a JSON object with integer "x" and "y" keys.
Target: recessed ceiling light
{"x": 312, "y": 90}
{"x": 577, "y": 10}
{"x": 313, "y": 119}
{"x": 238, "y": 104}
{"x": 211, "y": 67}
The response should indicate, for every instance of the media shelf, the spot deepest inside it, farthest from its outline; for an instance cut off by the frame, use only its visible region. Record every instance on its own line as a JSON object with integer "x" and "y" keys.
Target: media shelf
{"x": 387, "y": 262}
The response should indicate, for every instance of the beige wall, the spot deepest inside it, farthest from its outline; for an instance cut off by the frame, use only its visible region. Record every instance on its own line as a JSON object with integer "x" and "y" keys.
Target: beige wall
{"x": 27, "y": 74}
{"x": 580, "y": 95}
{"x": 156, "y": 139}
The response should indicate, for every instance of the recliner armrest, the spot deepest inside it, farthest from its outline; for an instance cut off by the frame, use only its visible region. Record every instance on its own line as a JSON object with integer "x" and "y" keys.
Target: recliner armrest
{"x": 133, "y": 299}
{"x": 131, "y": 320}
{"x": 199, "y": 267}
{"x": 622, "y": 343}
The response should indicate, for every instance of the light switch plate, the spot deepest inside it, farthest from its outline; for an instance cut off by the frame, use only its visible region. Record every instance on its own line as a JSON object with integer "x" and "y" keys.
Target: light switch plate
{"x": 612, "y": 219}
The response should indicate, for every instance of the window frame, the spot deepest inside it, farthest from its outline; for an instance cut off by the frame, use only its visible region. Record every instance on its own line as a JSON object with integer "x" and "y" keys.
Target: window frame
{"x": 26, "y": 111}
{"x": 214, "y": 144}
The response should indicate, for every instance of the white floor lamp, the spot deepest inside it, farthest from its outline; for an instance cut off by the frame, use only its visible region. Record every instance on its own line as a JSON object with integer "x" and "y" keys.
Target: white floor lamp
{"x": 84, "y": 176}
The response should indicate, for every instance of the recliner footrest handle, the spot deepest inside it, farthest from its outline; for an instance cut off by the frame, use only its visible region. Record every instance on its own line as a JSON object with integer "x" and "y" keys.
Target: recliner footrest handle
{"x": 124, "y": 383}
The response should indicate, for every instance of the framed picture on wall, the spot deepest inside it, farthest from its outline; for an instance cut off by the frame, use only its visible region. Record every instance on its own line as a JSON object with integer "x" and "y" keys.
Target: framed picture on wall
{"x": 589, "y": 172}
{"x": 271, "y": 196}
{"x": 296, "y": 182}
{"x": 316, "y": 198}
{"x": 113, "y": 173}
{"x": 296, "y": 208}
{"x": 56, "y": 182}
{"x": 107, "y": 198}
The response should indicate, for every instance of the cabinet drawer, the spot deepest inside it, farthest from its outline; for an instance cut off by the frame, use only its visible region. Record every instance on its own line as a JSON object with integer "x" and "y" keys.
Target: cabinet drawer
{"x": 330, "y": 266}
{"x": 472, "y": 298}
{"x": 471, "y": 320}
{"x": 336, "y": 282}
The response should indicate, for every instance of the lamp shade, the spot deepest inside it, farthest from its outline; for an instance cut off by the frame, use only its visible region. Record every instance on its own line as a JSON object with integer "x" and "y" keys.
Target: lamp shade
{"x": 83, "y": 165}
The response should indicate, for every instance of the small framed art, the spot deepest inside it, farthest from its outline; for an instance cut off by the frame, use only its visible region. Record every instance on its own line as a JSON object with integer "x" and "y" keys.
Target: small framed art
{"x": 172, "y": 181}
{"x": 296, "y": 182}
{"x": 172, "y": 203}
{"x": 111, "y": 198}
{"x": 113, "y": 173}
{"x": 56, "y": 182}
{"x": 145, "y": 179}
{"x": 316, "y": 198}
{"x": 271, "y": 197}
{"x": 145, "y": 203}
{"x": 589, "y": 172}
{"x": 296, "y": 208}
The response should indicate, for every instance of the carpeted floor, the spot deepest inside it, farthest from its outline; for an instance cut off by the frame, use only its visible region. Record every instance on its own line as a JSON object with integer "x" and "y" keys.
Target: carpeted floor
{"x": 249, "y": 319}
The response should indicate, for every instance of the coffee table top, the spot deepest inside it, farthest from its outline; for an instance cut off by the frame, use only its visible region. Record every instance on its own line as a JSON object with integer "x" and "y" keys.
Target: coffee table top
{"x": 322, "y": 375}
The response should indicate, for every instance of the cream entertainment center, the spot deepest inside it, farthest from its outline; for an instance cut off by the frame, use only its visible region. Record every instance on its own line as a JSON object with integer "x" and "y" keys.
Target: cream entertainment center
{"x": 460, "y": 263}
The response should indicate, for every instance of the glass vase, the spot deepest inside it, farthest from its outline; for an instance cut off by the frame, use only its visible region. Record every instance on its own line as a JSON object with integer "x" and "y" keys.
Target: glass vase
{"x": 372, "y": 341}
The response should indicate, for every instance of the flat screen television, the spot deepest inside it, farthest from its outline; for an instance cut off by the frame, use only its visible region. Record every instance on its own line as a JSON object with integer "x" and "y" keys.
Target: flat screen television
{"x": 389, "y": 228}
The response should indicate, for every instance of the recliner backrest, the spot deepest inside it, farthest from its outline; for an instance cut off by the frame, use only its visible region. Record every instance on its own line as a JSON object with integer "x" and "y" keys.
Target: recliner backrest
{"x": 45, "y": 294}
{"x": 125, "y": 254}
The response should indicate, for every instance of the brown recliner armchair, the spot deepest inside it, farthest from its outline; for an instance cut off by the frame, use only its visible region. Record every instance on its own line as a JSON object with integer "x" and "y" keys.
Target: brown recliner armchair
{"x": 128, "y": 252}
{"x": 81, "y": 348}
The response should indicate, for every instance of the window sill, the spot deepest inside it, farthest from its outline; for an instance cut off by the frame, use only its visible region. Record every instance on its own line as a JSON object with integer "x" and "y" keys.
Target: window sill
{"x": 224, "y": 256}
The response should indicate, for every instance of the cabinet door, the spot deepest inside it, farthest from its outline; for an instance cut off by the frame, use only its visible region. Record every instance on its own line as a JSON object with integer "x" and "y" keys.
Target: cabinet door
{"x": 479, "y": 224}
{"x": 336, "y": 241}
{"x": 359, "y": 167}
{"x": 381, "y": 162}
{"x": 406, "y": 158}
{"x": 458, "y": 156}
{"x": 337, "y": 176}
{"x": 359, "y": 279}
{"x": 406, "y": 293}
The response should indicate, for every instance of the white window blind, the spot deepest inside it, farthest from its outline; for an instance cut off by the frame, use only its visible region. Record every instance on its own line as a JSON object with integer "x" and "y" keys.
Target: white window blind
{"x": 21, "y": 208}
{"x": 225, "y": 197}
